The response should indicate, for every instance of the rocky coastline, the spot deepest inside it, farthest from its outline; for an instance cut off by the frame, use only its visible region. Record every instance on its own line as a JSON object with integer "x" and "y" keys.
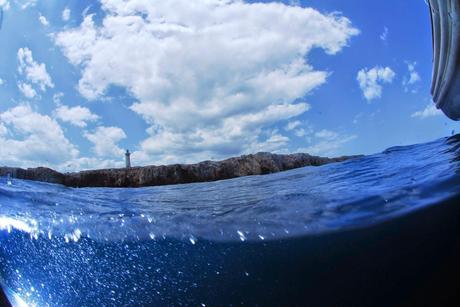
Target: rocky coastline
{"x": 247, "y": 165}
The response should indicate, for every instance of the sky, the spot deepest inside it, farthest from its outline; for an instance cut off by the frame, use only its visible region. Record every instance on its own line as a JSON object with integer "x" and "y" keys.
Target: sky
{"x": 183, "y": 81}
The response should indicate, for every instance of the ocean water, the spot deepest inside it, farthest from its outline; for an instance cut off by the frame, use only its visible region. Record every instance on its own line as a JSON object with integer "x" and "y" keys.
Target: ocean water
{"x": 378, "y": 230}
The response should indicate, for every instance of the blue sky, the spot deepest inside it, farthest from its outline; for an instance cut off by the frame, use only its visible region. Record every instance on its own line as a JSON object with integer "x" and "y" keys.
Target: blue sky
{"x": 185, "y": 81}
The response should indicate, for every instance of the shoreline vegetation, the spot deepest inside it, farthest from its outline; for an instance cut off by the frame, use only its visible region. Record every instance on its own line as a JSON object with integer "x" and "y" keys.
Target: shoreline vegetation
{"x": 255, "y": 164}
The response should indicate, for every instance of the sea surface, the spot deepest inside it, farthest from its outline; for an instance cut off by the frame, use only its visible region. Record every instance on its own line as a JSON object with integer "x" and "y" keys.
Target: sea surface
{"x": 377, "y": 230}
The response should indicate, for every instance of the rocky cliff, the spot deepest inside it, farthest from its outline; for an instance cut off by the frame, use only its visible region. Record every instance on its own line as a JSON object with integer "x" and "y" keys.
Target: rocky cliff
{"x": 257, "y": 164}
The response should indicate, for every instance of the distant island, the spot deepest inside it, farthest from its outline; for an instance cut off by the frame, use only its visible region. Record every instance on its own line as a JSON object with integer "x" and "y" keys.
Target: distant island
{"x": 246, "y": 165}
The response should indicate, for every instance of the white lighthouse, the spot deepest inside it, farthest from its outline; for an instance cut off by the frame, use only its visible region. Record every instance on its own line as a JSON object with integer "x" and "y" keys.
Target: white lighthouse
{"x": 128, "y": 158}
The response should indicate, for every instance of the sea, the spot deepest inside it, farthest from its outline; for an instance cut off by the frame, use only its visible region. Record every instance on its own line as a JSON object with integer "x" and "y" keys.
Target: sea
{"x": 381, "y": 230}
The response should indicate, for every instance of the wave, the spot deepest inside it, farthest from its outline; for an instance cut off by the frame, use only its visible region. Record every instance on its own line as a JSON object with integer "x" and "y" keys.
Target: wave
{"x": 281, "y": 237}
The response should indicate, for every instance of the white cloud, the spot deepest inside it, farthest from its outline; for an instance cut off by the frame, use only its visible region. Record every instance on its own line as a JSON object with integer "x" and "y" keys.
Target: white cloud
{"x": 291, "y": 125}
{"x": 77, "y": 116}
{"x": 87, "y": 163}
{"x": 57, "y": 98}
{"x": 43, "y": 20}
{"x": 3, "y": 130}
{"x": 31, "y": 139}
{"x": 66, "y": 14}
{"x": 105, "y": 141}
{"x": 27, "y": 90}
{"x": 275, "y": 142}
{"x": 235, "y": 135}
{"x": 33, "y": 72}
{"x": 1, "y": 81}
{"x": 208, "y": 75}
{"x": 429, "y": 111}
{"x": 328, "y": 143}
{"x": 326, "y": 134}
{"x": 371, "y": 80}
{"x": 384, "y": 35}
{"x": 412, "y": 79}
{"x": 5, "y": 4}
{"x": 300, "y": 129}
{"x": 28, "y": 138}
{"x": 25, "y": 4}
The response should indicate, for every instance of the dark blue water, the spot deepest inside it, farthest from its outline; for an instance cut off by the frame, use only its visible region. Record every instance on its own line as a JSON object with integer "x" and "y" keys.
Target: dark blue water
{"x": 348, "y": 233}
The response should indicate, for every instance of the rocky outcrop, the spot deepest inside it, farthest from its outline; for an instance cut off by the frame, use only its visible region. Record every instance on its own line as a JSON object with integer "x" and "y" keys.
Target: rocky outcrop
{"x": 258, "y": 164}
{"x": 38, "y": 174}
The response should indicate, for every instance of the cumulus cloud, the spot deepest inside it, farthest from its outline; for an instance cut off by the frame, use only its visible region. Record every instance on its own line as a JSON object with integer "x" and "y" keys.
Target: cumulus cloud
{"x": 371, "y": 80}
{"x": 1, "y": 81}
{"x": 299, "y": 128}
{"x": 273, "y": 141}
{"x": 77, "y": 116}
{"x": 413, "y": 74}
{"x": 57, "y": 98}
{"x": 31, "y": 139}
{"x": 3, "y": 130}
{"x": 34, "y": 73}
{"x": 43, "y": 20}
{"x": 209, "y": 76}
{"x": 66, "y": 14}
{"x": 105, "y": 141}
{"x": 27, "y": 90}
{"x": 28, "y": 138}
{"x": 429, "y": 111}
{"x": 412, "y": 78}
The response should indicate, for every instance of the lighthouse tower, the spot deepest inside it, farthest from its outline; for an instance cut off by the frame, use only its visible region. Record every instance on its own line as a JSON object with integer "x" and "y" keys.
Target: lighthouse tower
{"x": 128, "y": 158}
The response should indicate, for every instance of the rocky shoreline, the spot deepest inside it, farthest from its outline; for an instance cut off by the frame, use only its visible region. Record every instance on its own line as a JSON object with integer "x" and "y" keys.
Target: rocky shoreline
{"x": 256, "y": 164}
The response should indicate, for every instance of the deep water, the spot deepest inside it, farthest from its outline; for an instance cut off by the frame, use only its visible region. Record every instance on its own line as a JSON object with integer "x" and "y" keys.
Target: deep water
{"x": 381, "y": 230}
